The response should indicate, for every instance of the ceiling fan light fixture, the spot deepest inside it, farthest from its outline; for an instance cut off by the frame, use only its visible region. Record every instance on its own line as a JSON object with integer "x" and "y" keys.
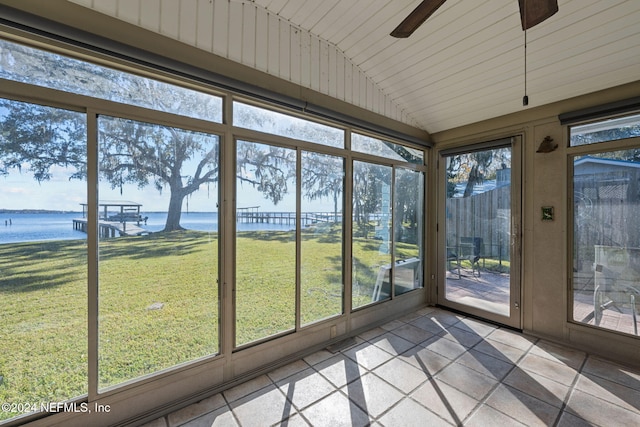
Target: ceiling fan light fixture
{"x": 533, "y": 12}
{"x": 416, "y": 18}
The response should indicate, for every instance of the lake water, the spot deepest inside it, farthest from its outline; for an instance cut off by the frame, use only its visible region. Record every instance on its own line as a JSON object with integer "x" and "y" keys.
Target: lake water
{"x": 27, "y": 227}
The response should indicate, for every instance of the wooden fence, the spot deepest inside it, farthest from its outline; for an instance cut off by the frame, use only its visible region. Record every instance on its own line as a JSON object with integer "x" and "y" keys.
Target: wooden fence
{"x": 486, "y": 216}
{"x": 606, "y": 212}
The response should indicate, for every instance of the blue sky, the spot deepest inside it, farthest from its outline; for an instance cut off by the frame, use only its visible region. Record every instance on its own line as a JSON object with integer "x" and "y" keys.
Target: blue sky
{"x": 19, "y": 190}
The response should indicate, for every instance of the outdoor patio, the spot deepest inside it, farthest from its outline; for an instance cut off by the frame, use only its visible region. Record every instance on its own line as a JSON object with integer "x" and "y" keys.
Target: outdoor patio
{"x": 491, "y": 290}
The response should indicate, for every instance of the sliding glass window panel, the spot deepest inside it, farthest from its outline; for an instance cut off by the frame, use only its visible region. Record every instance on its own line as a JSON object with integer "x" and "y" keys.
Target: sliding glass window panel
{"x": 268, "y": 121}
{"x": 43, "y": 257}
{"x": 605, "y": 130}
{"x": 408, "y": 230}
{"x": 371, "y": 246}
{"x": 387, "y": 149}
{"x": 606, "y": 242}
{"x": 38, "y": 67}
{"x": 321, "y": 264}
{"x": 158, "y": 248}
{"x": 265, "y": 297}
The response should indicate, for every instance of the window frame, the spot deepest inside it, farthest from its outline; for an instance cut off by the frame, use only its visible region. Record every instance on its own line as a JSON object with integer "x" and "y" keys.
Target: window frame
{"x": 573, "y": 152}
{"x": 227, "y": 134}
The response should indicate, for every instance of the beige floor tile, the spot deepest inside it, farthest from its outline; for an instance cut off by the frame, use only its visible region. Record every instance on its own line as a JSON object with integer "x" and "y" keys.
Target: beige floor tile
{"x": 615, "y": 393}
{"x": 512, "y": 338}
{"x": 340, "y": 370}
{"x": 444, "y": 400}
{"x": 555, "y": 371}
{"x": 429, "y": 325}
{"x": 368, "y": 356}
{"x": 426, "y": 310}
{"x": 524, "y": 408}
{"x": 537, "y": 386}
{"x": 266, "y": 406}
{"x": 426, "y": 360}
{"x": 246, "y": 388}
{"x": 487, "y": 416}
{"x": 412, "y": 333}
{"x": 196, "y": 410}
{"x": 401, "y": 375}
{"x": 288, "y": 370}
{"x": 445, "y": 317}
{"x": 499, "y": 350}
{"x": 485, "y": 364}
{"x": 570, "y": 420}
{"x": 475, "y": 326}
{"x": 392, "y": 343}
{"x": 613, "y": 372}
{"x": 444, "y": 347}
{"x": 371, "y": 334}
{"x": 219, "y": 418}
{"x": 373, "y": 395}
{"x": 336, "y": 410}
{"x": 431, "y": 368}
{"x": 467, "y": 380}
{"x": 600, "y": 411}
{"x": 410, "y": 413}
{"x": 394, "y": 324}
{"x": 464, "y": 338}
{"x": 318, "y": 356}
{"x": 567, "y": 356}
{"x": 305, "y": 388}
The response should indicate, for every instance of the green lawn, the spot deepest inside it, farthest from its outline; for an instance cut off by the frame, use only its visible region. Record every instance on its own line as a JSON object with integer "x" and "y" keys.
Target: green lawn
{"x": 158, "y": 303}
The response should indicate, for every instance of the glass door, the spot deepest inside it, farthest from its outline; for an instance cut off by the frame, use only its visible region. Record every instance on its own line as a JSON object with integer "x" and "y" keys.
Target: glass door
{"x": 479, "y": 222}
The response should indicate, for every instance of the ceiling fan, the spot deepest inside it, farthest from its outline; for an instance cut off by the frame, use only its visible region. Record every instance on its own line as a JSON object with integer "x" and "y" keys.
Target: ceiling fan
{"x": 532, "y": 12}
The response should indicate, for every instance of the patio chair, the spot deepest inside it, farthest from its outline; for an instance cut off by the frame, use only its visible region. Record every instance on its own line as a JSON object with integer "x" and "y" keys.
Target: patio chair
{"x": 469, "y": 249}
{"x": 617, "y": 282}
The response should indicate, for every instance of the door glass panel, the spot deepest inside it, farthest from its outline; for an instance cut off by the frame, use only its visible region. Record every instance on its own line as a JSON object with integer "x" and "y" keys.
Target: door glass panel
{"x": 407, "y": 237}
{"x": 321, "y": 279}
{"x": 371, "y": 246}
{"x": 606, "y": 243}
{"x": 478, "y": 229}
{"x": 43, "y": 258}
{"x": 158, "y": 248}
{"x": 265, "y": 241}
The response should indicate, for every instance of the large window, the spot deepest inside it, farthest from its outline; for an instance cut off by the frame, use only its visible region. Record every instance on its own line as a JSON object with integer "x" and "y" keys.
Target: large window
{"x": 372, "y": 229}
{"x": 43, "y": 258}
{"x": 265, "y": 241}
{"x": 261, "y": 119}
{"x": 37, "y": 67}
{"x": 387, "y": 249}
{"x": 321, "y": 244}
{"x": 606, "y": 130}
{"x": 158, "y": 294}
{"x": 122, "y": 260}
{"x": 606, "y": 232}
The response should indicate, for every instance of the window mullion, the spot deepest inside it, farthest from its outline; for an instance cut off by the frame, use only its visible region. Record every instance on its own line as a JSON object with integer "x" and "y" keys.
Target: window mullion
{"x": 92, "y": 251}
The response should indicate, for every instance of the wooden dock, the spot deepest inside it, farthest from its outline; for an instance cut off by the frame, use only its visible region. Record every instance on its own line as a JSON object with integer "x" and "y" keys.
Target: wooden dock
{"x": 253, "y": 216}
{"x": 108, "y": 229}
{"x": 115, "y": 219}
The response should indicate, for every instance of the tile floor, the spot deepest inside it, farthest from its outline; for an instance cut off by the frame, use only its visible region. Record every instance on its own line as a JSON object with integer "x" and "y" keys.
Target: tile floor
{"x": 431, "y": 368}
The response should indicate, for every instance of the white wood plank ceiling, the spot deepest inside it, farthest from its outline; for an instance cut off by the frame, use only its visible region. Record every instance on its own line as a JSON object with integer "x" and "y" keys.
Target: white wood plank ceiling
{"x": 465, "y": 64}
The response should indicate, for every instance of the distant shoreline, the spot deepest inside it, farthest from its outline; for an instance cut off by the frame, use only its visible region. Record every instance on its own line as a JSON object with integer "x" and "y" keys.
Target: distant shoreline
{"x": 47, "y": 211}
{"x": 35, "y": 211}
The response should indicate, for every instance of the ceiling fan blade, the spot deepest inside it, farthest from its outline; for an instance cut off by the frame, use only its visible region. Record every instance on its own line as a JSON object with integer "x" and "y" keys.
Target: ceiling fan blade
{"x": 533, "y": 12}
{"x": 416, "y": 18}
